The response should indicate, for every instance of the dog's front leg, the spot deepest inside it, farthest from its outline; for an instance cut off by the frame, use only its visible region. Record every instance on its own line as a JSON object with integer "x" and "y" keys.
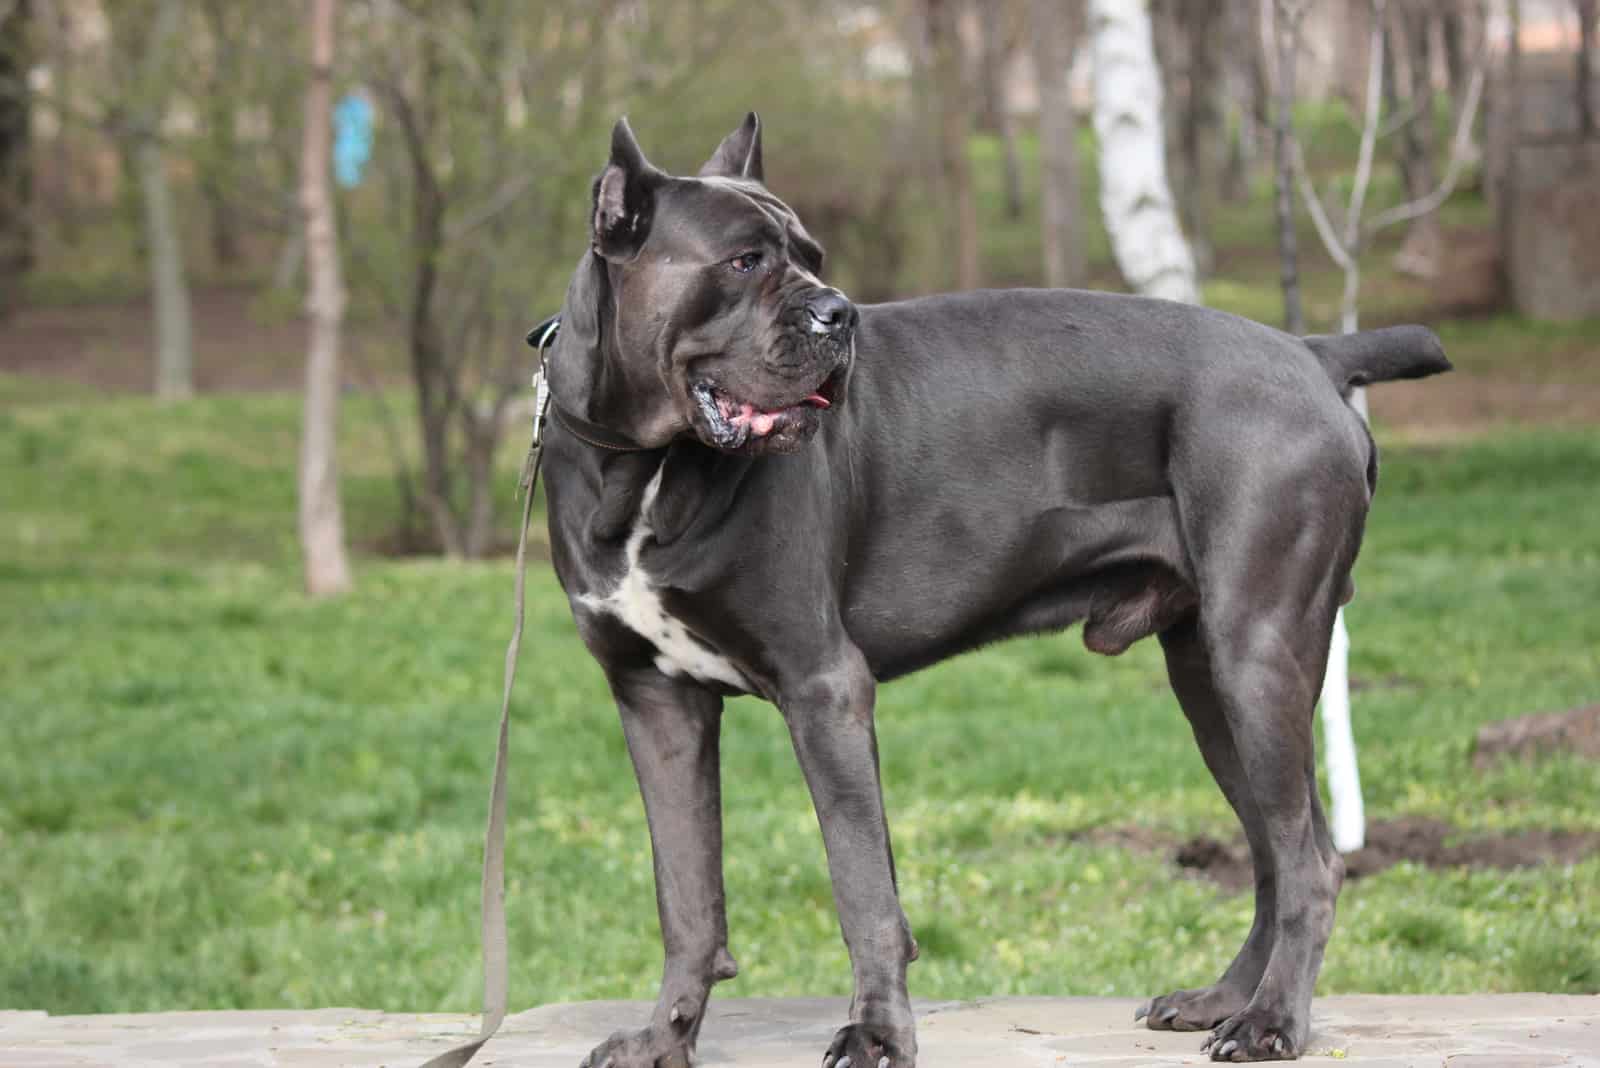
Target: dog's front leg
{"x": 672, "y": 727}
{"x": 830, "y": 720}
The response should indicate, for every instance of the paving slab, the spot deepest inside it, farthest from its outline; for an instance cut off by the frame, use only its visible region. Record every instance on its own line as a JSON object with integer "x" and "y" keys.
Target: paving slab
{"x": 1468, "y": 1031}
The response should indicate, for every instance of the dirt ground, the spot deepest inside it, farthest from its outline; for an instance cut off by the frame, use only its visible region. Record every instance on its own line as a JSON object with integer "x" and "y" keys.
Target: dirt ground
{"x": 239, "y": 344}
{"x": 1431, "y": 843}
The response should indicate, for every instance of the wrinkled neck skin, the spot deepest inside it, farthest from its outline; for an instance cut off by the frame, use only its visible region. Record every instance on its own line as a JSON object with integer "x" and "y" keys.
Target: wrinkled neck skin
{"x": 592, "y": 378}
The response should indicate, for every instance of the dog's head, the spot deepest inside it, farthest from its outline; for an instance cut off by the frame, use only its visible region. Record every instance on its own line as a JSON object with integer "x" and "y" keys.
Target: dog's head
{"x": 699, "y": 307}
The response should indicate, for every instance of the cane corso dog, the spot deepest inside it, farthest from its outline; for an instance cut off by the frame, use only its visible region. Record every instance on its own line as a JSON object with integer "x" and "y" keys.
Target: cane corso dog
{"x": 756, "y": 486}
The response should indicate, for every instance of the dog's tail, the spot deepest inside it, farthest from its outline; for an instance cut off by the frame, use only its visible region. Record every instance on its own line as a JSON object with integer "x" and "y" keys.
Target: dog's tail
{"x": 1370, "y": 356}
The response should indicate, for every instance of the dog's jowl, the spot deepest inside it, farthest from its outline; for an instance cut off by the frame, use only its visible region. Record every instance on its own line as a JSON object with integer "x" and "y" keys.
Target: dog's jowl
{"x": 756, "y": 486}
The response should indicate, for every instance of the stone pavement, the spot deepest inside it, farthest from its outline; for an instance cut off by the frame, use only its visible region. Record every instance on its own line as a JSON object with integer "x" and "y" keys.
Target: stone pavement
{"x": 1491, "y": 1031}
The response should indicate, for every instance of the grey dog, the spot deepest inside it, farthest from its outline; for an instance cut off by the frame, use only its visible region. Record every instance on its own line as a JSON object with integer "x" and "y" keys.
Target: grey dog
{"x": 758, "y": 487}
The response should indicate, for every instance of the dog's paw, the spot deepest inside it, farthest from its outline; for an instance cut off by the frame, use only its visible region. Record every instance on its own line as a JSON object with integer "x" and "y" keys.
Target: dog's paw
{"x": 863, "y": 1045}
{"x": 1256, "y": 1034}
{"x": 648, "y": 1048}
{"x": 1191, "y": 1010}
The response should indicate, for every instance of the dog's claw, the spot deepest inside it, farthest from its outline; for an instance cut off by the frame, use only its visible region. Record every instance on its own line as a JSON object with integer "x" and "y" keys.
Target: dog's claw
{"x": 1227, "y": 1049}
{"x": 1205, "y": 1047}
{"x": 1170, "y": 1015}
{"x": 883, "y": 1062}
{"x": 844, "y": 1062}
{"x": 1141, "y": 1012}
{"x": 1279, "y": 1046}
{"x": 674, "y": 1016}
{"x": 827, "y": 1060}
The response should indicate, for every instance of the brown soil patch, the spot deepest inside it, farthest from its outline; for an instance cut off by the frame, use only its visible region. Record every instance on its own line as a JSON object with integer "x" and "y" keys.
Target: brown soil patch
{"x": 238, "y": 345}
{"x": 1390, "y": 842}
{"x": 1456, "y": 404}
{"x": 1529, "y": 737}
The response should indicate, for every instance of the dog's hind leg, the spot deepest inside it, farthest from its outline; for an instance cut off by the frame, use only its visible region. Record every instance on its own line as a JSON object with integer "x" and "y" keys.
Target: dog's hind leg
{"x": 1189, "y": 669}
{"x": 830, "y": 718}
{"x": 672, "y": 728}
{"x": 1272, "y": 551}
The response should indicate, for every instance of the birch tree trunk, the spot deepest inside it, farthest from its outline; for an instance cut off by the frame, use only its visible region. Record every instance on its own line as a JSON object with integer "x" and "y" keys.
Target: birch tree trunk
{"x": 1052, "y": 24}
{"x": 1134, "y": 194}
{"x": 168, "y": 288}
{"x": 327, "y": 570}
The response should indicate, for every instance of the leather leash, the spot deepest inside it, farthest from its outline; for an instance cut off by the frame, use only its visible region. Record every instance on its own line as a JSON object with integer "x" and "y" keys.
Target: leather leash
{"x": 496, "y": 951}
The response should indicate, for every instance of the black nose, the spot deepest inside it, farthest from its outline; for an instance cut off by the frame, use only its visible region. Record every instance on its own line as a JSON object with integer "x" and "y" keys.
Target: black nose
{"x": 830, "y": 312}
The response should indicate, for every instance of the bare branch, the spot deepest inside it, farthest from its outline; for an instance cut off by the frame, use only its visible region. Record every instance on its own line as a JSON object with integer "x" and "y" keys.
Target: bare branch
{"x": 1319, "y": 213}
{"x": 1369, "y": 130}
{"x": 1458, "y": 157}
{"x": 507, "y": 196}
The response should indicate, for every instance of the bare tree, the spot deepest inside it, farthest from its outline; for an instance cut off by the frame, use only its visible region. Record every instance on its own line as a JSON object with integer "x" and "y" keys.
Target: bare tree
{"x": 327, "y": 569}
{"x": 1054, "y": 25}
{"x": 1189, "y": 35}
{"x": 1585, "y": 61}
{"x": 1410, "y": 25}
{"x": 16, "y": 171}
{"x": 997, "y": 32}
{"x": 1345, "y": 248}
{"x": 1134, "y": 195}
{"x": 950, "y": 91}
{"x": 1289, "y": 14}
{"x": 142, "y": 127}
{"x": 221, "y": 149}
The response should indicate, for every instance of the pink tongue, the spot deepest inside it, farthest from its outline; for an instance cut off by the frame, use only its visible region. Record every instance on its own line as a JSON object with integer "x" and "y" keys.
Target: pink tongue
{"x": 818, "y": 400}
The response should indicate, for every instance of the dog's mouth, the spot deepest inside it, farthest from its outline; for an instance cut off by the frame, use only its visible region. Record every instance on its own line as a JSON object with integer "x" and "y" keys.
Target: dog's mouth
{"x": 735, "y": 423}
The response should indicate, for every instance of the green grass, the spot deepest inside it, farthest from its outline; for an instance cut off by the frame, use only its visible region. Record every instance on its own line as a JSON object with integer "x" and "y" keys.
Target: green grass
{"x": 214, "y": 792}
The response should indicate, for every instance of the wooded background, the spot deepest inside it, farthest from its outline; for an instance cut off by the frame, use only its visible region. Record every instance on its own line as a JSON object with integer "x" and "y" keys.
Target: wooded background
{"x": 179, "y": 148}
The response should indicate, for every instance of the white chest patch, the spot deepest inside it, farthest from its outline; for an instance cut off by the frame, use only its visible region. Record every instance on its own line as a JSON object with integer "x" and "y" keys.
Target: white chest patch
{"x": 635, "y": 602}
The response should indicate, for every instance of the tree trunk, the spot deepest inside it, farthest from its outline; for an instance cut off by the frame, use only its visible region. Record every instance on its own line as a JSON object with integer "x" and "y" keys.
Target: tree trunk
{"x": 169, "y": 289}
{"x": 414, "y": 114}
{"x": 16, "y": 149}
{"x": 479, "y": 538}
{"x": 1419, "y": 254}
{"x": 1201, "y": 136}
{"x": 997, "y": 116}
{"x": 1287, "y": 28}
{"x": 1249, "y": 107}
{"x": 954, "y": 125}
{"x": 1585, "y": 76}
{"x": 1134, "y": 195}
{"x": 327, "y": 569}
{"x": 64, "y": 204}
{"x": 1053, "y": 24}
{"x": 221, "y": 147}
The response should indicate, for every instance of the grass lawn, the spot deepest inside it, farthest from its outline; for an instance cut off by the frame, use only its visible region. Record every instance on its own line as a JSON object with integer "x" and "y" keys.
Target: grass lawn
{"x": 214, "y": 792}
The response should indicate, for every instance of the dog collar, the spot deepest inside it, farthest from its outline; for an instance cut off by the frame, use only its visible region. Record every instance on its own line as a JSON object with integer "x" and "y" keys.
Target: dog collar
{"x": 542, "y": 337}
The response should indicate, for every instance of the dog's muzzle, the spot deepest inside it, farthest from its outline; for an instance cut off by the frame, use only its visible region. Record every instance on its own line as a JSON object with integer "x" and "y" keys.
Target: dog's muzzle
{"x": 776, "y": 406}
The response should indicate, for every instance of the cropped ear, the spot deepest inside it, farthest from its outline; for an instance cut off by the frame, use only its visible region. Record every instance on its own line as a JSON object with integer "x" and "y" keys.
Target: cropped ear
{"x": 624, "y": 197}
{"x": 739, "y": 155}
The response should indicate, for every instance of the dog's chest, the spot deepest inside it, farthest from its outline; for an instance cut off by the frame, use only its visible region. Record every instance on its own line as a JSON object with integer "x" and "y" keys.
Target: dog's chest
{"x": 637, "y": 604}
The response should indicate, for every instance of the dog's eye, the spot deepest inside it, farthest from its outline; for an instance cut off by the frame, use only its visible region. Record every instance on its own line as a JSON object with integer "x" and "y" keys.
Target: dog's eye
{"x": 745, "y": 262}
